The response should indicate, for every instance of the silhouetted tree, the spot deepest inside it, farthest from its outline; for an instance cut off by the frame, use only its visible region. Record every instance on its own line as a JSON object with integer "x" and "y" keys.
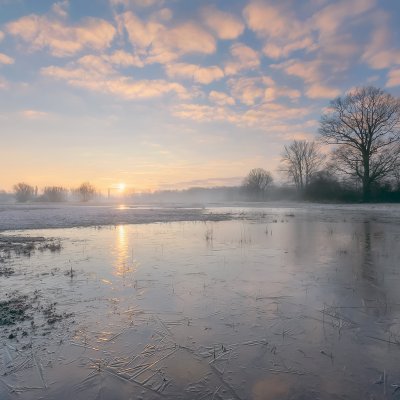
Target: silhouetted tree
{"x": 86, "y": 191}
{"x": 23, "y": 192}
{"x": 366, "y": 125}
{"x": 300, "y": 161}
{"x": 257, "y": 182}
{"x": 323, "y": 185}
{"x": 55, "y": 193}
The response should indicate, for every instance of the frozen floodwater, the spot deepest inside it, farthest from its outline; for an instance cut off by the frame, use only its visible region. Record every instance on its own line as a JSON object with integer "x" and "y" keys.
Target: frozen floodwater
{"x": 261, "y": 303}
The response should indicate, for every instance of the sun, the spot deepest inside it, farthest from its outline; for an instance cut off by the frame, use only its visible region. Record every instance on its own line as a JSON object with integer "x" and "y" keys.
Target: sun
{"x": 121, "y": 187}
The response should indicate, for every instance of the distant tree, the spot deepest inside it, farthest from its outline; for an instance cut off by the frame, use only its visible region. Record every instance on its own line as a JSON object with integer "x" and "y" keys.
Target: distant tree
{"x": 86, "y": 191}
{"x": 257, "y": 182}
{"x": 300, "y": 161}
{"x": 23, "y": 192}
{"x": 365, "y": 126}
{"x": 55, "y": 194}
{"x": 323, "y": 185}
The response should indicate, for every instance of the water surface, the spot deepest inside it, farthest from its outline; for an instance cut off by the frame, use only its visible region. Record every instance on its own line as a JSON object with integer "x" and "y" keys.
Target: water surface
{"x": 278, "y": 304}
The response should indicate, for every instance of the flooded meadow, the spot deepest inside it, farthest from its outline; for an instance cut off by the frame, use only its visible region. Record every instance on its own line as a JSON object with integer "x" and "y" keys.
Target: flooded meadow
{"x": 248, "y": 303}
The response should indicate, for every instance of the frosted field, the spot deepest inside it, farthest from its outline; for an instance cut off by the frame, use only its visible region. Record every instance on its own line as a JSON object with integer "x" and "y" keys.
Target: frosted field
{"x": 288, "y": 302}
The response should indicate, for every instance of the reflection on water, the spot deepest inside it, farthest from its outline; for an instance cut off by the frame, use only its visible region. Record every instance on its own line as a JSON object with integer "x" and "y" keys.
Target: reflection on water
{"x": 285, "y": 307}
{"x": 121, "y": 264}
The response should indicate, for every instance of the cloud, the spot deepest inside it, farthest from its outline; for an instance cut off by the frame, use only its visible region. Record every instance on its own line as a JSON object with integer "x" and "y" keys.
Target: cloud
{"x": 224, "y": 25}
{"x": 3, "y": 83}
{"x": 141, "y": 34}
{"x": 201, "y": 112}
{"x": 309, "y": 71}
{"x": 94, "y": 74}
{"x": 204, "y": 75}
{"x": 313, "y": 74}
{"x": 189, "y": 37}
{"x": 4, "y": 59}
{"x": 1, "y": 36}
{"x": 273, "y": 93}
{"x": 379, "y": 52}
{"x": 283, "y": 31}
{"x": 393, "y": 78}
{"x": 244, "y": 58}
{"x": 317, "y": 91}
{"x": 34, "y": 114}
{"x": 249, "y": 90}
{"x": 124, "y": 59}
{"x": 276, "y": 51}
{"x": 276, "y": 118}
{"x": 325, "y": 30}
{"x": 41, "y": 32}
{"x": 334, "y": 15}
{"x": 61, "y": 8}
{"x": 158, "y": 43}
{"x": 221, "y": 99}
{"x": 137, "y": 3}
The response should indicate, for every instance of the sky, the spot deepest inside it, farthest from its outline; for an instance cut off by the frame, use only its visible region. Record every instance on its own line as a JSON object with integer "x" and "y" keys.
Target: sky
{"x": 169, "y": 94}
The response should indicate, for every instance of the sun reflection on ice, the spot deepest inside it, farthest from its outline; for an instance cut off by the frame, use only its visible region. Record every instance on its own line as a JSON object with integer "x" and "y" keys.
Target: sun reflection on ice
{"x": 122, "y": 253}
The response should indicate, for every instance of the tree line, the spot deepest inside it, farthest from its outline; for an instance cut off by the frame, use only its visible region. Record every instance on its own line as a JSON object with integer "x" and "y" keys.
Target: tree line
{"x": 24, "y": 192}
{"x": 363, "y": 129}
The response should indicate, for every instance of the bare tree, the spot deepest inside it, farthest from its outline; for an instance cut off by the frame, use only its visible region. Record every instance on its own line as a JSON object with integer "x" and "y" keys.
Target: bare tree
{"x": 86, "y": 191}
{"x": 257, "y": 182}
{"x": 365, "y": 124}
{"x": 55, "y": 193}
{"x": 300, "y": 161}
{"x": 23, "y": 192}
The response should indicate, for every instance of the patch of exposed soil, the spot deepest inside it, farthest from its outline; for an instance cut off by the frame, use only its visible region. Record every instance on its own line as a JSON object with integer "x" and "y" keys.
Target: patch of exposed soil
{"x": 13, "y": 310}
{"x": 22, "y": 315}
{"x": 11, "y": 246}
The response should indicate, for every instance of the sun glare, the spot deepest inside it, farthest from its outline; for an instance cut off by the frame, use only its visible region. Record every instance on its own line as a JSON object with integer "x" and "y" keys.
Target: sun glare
{"x": 121, "y": 187}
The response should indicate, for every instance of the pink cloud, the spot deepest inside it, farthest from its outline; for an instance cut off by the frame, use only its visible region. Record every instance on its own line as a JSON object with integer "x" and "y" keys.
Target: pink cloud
{"x": 318, "y": 91}
{"x": 4, "y": 59}
{"x": 124, "y": 59}
{"x": 220, "y": 98}
{"x": 189, "y": 37}
{"x": 283, "y": 31}
{"x": 273, "y": 93}
{"x": 249, "y": 90}
{"x": 223, "y": 24}
{"x": 60, "y": 8}
{"x": 243, "y": 58}
{"x": 62, "y": 40}
{"x": 312, "y": 73}
{"x": 393, "y": 78}
{"x": 331, "y": 17}
{"x": 161, "y": 44}
{"x": 34, "y": 114}
{"x": 94, "y": 74}
{"x": 379, "y": 52}
{"x": 3, "y": 83}
{"x": 137, "y": 3}
{"x": 309, "y": 71}
{"x": 204, "y": 75}
{"x": 276, "y": 118}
